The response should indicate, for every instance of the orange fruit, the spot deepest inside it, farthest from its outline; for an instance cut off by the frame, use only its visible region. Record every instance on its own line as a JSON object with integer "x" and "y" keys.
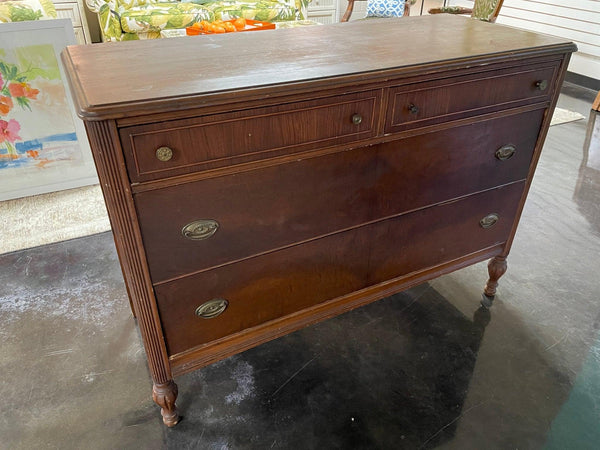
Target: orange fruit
{"x": 239, "y": 23}
{"x": 229, "y": 27}
{"x": 218, "y": 29}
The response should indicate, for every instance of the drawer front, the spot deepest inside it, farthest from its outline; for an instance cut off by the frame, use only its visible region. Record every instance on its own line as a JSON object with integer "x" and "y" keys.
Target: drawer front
{"x": 265, "y": 209}
{"x": 327, "y": 4}
{"x": 322, "y": 16}
{"x": 233, "y": 138}
{"x": 455, "y": 98}
{"x": 79, "y": 35}
{"x": 68, "y": 11}
{"x": 271, "y": 286}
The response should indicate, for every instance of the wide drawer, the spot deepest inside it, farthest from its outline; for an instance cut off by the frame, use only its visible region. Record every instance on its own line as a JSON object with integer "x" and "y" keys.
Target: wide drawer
{"x": 265, "y": 209}
{"x": 424, "y": 104}
{"x": 270, "y": 286}
{"x": 231, "y": 138}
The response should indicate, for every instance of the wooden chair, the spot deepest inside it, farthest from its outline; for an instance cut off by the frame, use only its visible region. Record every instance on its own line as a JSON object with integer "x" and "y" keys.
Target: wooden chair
{"x": 350, "y": 8}
{"x": 486, "y": 10}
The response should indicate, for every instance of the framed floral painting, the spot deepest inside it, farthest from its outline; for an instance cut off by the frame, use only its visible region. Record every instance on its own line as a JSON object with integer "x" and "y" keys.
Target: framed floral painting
{"x": 43, "y": 145}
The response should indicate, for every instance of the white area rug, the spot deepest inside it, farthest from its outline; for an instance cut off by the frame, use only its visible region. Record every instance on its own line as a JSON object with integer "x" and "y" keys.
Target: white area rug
{"x": 58, "y": 216}
{"x": 564, "y": 115}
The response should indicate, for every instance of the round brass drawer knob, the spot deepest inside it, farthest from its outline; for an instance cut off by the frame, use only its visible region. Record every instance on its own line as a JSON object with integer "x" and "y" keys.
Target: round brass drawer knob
{"x": 164, "y": 153}
{"x": 541, "y": 85}
{"x": 414, "y": 109}
{"x": 506, "y": 152}
{"x": 489, "y": 221}
{"x": 356, "y": 119}
{"x": 212, "y": 308}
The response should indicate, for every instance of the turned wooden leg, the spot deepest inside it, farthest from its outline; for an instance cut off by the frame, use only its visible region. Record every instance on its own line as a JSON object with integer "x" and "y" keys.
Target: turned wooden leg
{"x": 164, "y": 395}
{"x": 496, "y": 268}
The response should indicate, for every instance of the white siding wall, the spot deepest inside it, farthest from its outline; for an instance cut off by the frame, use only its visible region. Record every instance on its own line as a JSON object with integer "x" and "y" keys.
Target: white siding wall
{"x": 576, "y": 20}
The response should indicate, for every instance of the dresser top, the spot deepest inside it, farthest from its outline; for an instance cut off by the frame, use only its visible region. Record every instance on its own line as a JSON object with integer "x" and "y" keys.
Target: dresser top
{"x": 139, "y": 77}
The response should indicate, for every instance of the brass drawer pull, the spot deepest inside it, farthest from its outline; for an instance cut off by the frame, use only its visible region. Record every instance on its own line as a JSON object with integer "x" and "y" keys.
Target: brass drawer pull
{"x": 414, "y": 109}
{"x": 200, "y": 229}
{"x": 506, "y": 152}
{"x": 489, "y": 221}
{"x": 164, "y": 153}
{"x": 212, "y": 308}
{"x": 356, "y": 119}
{"x": 541, "y": 85}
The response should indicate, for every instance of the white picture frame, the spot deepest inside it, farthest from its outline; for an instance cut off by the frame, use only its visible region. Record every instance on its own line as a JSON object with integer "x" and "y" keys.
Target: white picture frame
{"x": 43, "y": 144}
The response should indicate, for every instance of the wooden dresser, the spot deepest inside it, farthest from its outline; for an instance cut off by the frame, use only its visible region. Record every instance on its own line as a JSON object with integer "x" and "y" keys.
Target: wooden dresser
{"x": 260, "y": 182}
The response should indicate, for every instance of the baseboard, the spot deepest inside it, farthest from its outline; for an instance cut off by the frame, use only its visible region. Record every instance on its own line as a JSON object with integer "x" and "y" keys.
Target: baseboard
{"x": 582, "y": 80}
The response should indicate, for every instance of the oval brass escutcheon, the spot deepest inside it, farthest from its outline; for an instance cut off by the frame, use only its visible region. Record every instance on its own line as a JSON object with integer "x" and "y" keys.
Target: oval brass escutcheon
{"x": 505, "y": 152}
{"x": 212, "y": 308}
{"x": 356, "y": 119}
{"x": 164, "y": 153}
{"x": 489, "y": 221}
{"x": 541, "y": 85}
{"x": 200, "y": 229}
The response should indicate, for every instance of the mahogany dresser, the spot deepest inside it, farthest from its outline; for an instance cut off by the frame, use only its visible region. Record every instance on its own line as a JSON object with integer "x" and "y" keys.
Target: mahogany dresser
{"x": 260, "y": 182}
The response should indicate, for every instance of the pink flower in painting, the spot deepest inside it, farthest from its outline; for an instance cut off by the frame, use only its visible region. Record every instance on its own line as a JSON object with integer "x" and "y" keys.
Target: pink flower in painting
{"x": 22, "y": 90}
{"x": 6, "y": 105}
{"x": 9, "y": 130}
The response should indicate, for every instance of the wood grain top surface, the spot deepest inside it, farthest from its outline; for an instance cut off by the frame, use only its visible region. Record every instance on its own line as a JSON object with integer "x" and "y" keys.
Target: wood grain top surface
{"x": 118, "y": 79}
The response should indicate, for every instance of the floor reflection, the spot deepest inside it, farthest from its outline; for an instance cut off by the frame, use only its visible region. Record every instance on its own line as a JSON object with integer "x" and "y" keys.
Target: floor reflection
{"x": 587, "y": 190}
{"x": 394, "y": 374}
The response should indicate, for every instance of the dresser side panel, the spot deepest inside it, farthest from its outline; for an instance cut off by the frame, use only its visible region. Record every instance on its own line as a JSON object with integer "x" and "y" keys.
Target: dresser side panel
{"x": 119, "y": 203}
{"x": 554, "y": 94}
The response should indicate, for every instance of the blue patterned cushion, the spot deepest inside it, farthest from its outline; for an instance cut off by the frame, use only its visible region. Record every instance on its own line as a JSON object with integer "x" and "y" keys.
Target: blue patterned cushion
{"x": 385, "y": 8}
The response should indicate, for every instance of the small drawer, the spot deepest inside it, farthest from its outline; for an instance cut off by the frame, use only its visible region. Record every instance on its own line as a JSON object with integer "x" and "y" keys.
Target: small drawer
{"x": 79, "y": 35}
{"x": 316, "y": 4}
{"x": 68, "y": 11}
{"x": 322, "y": 16}
{"x": 239, "y": 296}
{"x": 183, "y": 146}
{"x": 455, "y": 98}
{"x": 265, "y": 209}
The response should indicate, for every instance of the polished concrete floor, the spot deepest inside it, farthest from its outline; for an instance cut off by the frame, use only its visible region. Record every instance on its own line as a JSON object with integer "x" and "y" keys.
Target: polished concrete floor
{"x": 426, "y": 368}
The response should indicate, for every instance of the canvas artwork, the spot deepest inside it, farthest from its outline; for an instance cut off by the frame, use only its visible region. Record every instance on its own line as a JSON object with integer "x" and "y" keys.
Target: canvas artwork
{"x": 43, "y": 146}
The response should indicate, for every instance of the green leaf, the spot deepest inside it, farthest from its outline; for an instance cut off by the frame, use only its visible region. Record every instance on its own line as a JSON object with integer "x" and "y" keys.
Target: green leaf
{"x": 21, "y": 14}
{"x": 176, "y": 21}
{"x": 23, "y": 102}
{"x": 5, "y": 69}
{"x": 130, "y": 37}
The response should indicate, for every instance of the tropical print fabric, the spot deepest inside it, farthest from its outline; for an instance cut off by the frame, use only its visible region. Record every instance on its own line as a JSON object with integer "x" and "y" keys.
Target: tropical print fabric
{"x": 160, "y": 16}
{"x": 451, "y": 9}
{"x": 117, "y": 5}
{"x": 122, "y": 20}
{"x": 265, "y": 11}
{"x": 22, "y": 10}
{"x": 483, "y": 9}
{"x": 110, "y": 24}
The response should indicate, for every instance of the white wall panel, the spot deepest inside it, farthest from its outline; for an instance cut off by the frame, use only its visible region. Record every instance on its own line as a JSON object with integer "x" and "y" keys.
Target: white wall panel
{"x": 576, "y": 20}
